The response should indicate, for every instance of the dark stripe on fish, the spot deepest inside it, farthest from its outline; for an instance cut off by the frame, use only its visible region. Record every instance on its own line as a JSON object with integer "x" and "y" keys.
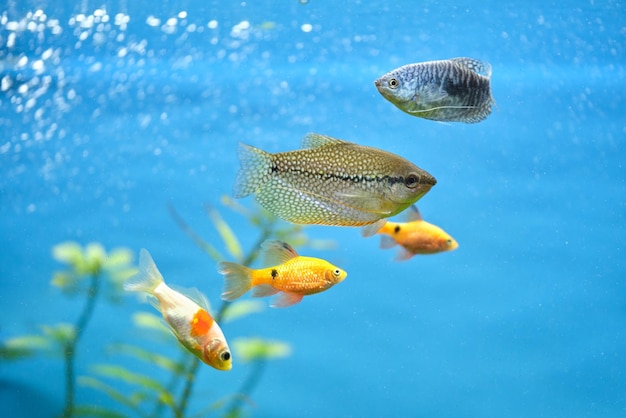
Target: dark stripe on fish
{"x": 352, "y": 179}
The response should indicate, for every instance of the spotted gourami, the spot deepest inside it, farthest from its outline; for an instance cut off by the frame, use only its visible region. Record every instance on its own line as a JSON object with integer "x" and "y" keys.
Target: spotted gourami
{"x": 291, "y": 276}
{"x": 454, "y": 90}
{"x": 190, "y": 321}
{"x": 331, "y": 182}
{"x": 415, "y": 236}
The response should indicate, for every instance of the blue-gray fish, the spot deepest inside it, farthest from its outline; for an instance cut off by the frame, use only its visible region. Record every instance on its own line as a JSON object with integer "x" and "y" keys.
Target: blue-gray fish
{"x": 331, "y": 182}
{"x": 454, "y": 90}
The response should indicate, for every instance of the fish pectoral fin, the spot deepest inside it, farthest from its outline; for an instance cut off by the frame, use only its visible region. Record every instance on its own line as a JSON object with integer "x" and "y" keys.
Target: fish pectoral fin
{"x": 307, "y": 205}
{"x": 263, "y": 290}
{"x": 413, "y": 214}
{"x": 364, "y": 203}
{"x": 403, "y": 255}
{"x": 285, "y": 299}
{"x": 387, "y": 242}
{"x": 430, "y": 93}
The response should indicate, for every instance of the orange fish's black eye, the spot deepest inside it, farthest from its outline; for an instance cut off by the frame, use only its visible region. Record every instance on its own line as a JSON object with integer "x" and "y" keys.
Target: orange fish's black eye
{"x": 225, "y": 356}
{"x": 393, "y": 83}
{"x": 412, "y": 181}
{"x": 337, "y": 273}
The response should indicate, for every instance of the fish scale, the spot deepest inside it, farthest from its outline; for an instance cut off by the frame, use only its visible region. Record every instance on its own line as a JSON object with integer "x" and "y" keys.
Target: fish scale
{"x": 330, "y": 182}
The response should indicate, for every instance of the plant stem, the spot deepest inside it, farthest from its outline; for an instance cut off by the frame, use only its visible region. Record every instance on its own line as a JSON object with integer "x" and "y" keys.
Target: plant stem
{"x": 252, "y": 379}
{"x": 70, "y": 347}
{"x": 247, "y": 387}
{"x": 191, "y": 377}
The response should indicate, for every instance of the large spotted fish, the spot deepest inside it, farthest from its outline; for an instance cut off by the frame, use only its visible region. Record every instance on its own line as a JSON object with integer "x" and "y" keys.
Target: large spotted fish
{"x": 331, "y": 182}
{"x": 454, "y": 90}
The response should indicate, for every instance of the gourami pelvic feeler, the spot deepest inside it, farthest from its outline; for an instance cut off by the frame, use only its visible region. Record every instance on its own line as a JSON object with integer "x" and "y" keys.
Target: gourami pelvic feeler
{"x": 291, "y": 276}
{"x": 454, "y": 90}
{"x": 415, "y": 236}
{"x": 190, "y": 321}
{"x": 331, "y": 182}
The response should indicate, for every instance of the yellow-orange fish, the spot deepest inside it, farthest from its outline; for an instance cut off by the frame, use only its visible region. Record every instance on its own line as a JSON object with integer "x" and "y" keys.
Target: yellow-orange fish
{"x": 292, "y": 276}
{"x": 191, "y": 323}
{"x": 416, "y": 236}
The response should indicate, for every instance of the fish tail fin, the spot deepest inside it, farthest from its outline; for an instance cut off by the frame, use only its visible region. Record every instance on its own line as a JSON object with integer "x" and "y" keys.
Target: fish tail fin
{"x": 237, "y": 279}
{"x": 254, "y": 172}
{"x": 148, "y": 277}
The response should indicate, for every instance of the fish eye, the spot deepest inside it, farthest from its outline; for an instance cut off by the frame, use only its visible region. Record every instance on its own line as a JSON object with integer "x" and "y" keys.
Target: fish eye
{"x": 412, "y": 181}
{"x": 225, "y": 356}
{"x": 449, "y": 242}
{"x": 393, "y": 83}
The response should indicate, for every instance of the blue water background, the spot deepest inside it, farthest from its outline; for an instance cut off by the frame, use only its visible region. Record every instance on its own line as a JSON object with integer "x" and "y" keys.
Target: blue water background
{"x": 526, "y": 318}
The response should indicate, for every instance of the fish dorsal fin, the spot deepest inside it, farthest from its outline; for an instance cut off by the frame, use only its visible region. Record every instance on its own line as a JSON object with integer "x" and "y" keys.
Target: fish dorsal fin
{"x": 413, "y": 214}
{"x": 277, "y": 252}
{"x": 194, "y": 295}
{"x": 479, "y": 67}
{"x": 313, "y": 140}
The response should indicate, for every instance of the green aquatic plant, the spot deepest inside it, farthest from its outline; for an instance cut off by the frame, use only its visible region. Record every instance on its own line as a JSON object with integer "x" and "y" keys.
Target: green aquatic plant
{"x": 149, "y": 397}
{"x": 93, "y": 274}
{"x": 89, "y": 272}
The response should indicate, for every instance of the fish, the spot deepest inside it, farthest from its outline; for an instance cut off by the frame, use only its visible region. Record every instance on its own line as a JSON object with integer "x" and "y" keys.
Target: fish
{"x": 291, "y": 276}
{"x": 453, "y": 90}
{"x": 330, "y": 182}
{"x": 415, "y": 236}
{"x": 190, "y": 321}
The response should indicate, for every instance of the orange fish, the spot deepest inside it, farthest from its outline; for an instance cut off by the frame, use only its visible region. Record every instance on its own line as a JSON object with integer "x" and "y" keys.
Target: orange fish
{"x": 191, "y": 323}
{"x": 415, "y": 236}
{"x": 292, "y": 276}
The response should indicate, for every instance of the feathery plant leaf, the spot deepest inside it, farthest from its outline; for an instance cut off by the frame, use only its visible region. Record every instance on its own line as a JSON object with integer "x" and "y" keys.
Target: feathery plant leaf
{"x": 152, "y": 322}
{"x": 226, "y": 233}
{"x": 253, "y": 349}
{"x": 23, "y": 346}
{"x": 119, "y": 257}
{"x": 209, "y": 249}
{"x": 176, "y": 368}
{"x": 125, "y": 375}
{"x": 61, "y": 334}
{"x": 241, "y": 308}
{"x": 95, "y": 411}
{"x": 69, "y": 253}
{"x": 110, "y": 391}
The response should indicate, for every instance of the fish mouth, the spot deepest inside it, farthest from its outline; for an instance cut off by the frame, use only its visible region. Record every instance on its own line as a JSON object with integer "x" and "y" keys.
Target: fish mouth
{"x": 428, "y": 180}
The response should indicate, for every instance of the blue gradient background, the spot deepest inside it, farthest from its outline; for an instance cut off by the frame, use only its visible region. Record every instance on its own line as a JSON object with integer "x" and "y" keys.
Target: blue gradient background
{"x": 526, "y": 318}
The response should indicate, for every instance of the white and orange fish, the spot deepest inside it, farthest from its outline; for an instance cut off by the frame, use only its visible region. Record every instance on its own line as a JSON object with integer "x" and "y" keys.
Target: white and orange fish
{"x": 190, "y": 322}
{"x": 292, "y": 277}
{"x": 415, "y": 236}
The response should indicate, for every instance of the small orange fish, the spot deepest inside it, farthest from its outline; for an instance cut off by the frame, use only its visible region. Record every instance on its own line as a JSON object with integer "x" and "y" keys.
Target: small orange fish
{"x": 415, "y": 236}
{"x": 191, "y": 323}
{"x": 292, "y": 276}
